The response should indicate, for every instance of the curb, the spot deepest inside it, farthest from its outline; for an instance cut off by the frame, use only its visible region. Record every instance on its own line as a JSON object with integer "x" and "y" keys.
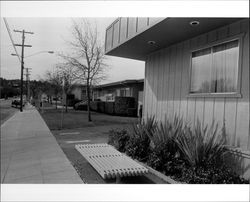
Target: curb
{"x": 163, "y": 177}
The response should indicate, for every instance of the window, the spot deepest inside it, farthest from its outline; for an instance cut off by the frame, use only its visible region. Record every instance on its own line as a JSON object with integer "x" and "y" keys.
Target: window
{"x": 125, "y": 92}
{"x": 215, "y": 69}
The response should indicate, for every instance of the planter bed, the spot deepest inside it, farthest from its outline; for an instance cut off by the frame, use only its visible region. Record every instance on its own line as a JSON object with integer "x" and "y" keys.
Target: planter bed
{"x": 157, "y": 177}
{"x": 187, "y": 155}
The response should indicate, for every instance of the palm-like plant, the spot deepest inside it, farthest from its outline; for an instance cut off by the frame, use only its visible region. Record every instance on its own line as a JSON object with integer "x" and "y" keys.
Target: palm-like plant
{"x": 139, "y": 144}
{"x": 167, "y": 132}
{"x": 145, "y": 129}
{"x": 202, "y": 146}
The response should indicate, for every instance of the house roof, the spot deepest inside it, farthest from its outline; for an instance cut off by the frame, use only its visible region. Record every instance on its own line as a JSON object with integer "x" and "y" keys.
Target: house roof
{"x": 117, "y": 83}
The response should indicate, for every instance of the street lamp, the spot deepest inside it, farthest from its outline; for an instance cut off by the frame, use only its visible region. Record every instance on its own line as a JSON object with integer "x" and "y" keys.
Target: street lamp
{"x": 50, "y": 52}
{"x": 37, "y": 53}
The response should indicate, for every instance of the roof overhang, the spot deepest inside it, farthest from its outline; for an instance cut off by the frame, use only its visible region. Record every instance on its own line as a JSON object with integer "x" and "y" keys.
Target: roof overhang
{"x": 165, "y": 33}
{"x": 119, "y": 83}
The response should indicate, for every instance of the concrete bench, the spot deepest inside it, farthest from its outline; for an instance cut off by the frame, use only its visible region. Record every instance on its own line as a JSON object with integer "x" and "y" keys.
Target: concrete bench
{"x": 109, "y": 162}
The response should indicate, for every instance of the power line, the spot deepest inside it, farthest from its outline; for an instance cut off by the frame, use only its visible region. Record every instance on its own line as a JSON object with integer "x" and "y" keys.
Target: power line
{"x": 11, "y": 39}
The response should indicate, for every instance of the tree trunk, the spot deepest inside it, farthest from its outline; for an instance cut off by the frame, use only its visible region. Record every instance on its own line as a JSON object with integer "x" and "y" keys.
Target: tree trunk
{"x": 88, "y": 97}
{"x": 56, "y": 102}
{"x": 66, "y": 104}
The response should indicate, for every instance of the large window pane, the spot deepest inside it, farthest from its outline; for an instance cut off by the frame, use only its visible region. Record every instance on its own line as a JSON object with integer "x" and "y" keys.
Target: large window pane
{"x": 225, "y": 63}
{"x": 201, "y": 71}
{"x": 215, "y": 69}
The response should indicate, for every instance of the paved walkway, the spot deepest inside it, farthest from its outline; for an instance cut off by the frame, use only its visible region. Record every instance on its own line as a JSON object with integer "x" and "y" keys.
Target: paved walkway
{"x": 30, "y": 153}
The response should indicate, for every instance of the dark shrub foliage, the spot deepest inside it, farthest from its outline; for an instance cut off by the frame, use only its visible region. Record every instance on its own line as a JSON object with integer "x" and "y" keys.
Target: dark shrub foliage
{"x": 195, "y": 156}
{"x": 132, "y": 112}
{"x": 109, "y": 107}
{"x": 139, "y": 145}
{"x": 211, "y": 174}
{"x": 119, "y": 139}
{"x": 122, "y": 104}
{"x": 94, "y": 105}
{"x": 163, "y": 159}
{"x": 138, "y": 148}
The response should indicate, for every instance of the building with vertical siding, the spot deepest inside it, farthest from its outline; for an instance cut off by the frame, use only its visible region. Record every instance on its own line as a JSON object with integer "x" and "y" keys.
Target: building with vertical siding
{"x": 195, "y": 68}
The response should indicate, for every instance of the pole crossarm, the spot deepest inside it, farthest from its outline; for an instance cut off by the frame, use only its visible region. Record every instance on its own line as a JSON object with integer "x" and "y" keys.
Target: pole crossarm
{"x": 23, "y": 31}
{"x": 23, "y": 45}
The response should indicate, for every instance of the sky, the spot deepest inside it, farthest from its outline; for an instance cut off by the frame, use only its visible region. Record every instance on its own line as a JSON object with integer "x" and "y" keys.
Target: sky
{"x": 52, "y": 34}
{"x": 51, "y": 21}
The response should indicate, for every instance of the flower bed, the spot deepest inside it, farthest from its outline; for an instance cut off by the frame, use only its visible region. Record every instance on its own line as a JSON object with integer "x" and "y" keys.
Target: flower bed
{"x": 190, "y": 155}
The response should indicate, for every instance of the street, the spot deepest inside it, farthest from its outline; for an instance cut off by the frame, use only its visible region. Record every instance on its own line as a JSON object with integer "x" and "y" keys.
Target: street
{"x": 6, "y": 110}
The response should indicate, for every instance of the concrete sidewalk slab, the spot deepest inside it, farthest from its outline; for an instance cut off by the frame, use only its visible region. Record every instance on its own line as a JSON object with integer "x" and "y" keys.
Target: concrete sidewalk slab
{"x": 30, "y": 153}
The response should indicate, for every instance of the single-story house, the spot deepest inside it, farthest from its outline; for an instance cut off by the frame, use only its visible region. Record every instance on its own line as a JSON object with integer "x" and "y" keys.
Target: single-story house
{"x": 126, "y": 88}
{"x": 196, "y": 68}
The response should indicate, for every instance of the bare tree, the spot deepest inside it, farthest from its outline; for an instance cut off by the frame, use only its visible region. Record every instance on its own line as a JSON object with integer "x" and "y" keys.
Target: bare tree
{"x": 69, "y": 79}
{"x": 87, "y": 56}
{"x": 55, "y": 79}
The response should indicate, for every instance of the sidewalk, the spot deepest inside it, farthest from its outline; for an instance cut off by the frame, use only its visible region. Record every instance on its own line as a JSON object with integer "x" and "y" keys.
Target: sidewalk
{"x": 30, "y": 153}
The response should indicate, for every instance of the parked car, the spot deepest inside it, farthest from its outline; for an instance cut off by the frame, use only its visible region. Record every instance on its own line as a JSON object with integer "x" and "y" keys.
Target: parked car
{"x": 72, "y": 102}
{"x": 83, "y": 105}
{"x": 17, "y": 103}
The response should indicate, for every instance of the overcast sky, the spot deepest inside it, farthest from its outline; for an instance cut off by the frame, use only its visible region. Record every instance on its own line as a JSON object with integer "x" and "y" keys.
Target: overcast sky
{"x": 52, "y": 34}
{"x": 51, "y": 22}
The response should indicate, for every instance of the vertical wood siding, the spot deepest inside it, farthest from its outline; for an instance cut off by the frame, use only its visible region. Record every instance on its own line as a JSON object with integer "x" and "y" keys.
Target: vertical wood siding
{"x": 167, "y": 86}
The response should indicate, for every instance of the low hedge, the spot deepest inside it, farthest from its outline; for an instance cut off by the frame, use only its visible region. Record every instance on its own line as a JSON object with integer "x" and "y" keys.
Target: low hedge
{"x": 109, "y": 108}
{"x": 122, "y": 106}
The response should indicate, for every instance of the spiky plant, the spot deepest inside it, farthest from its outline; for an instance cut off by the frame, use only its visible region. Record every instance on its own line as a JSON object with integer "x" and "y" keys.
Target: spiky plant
{"x": 202, "y": 146}
{"x": 167, "y": 132}
{"x": 139, "y": 144}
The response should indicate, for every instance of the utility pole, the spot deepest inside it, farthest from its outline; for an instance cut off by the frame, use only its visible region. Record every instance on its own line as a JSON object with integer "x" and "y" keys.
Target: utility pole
{"x": 22, "y": 62}
{"x": 27, "y": 83}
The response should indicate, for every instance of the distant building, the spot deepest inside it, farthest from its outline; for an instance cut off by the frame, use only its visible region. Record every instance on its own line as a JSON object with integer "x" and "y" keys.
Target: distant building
{"x": 126, "y": 88}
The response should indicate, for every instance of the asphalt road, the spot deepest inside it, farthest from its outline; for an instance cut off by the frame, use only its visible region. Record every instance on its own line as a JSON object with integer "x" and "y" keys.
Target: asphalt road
{"x": 6, "y": 111}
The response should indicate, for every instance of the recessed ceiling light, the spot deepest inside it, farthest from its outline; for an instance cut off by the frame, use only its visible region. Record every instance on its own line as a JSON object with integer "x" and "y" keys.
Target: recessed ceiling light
{"x": 151, "y": 42}
{"x": 194, "y": 23}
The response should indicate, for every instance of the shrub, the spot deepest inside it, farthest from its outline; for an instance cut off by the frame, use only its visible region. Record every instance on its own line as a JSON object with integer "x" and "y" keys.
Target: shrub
{"x": 101, "y": 107}
{"x": 202, "y": 146}
{"x": 122, "y": 104}
{"x": 138, "y": 146}
{"x": 165, "y": 160}
{"x": 189, "y": 155}
{"x": 167, "y": 133}
{"x": 211, "y": 174}
{"x": 109, "y": 107}
{"x": 94, "y": 105}
{"x": 165, "y": 155}
{"x": 132, "y": 112}
{"x": 118, "y": 138}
